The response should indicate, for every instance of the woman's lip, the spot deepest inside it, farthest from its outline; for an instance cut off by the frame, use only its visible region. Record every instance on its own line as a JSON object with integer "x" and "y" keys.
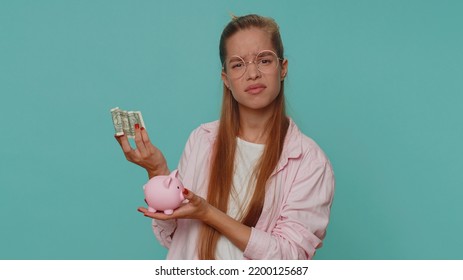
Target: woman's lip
{"x": 255, "y": 88}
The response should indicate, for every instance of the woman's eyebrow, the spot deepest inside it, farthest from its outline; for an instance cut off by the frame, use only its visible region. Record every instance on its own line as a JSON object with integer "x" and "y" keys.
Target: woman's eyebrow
{"x": 249, "y": 55}
{"x": 235, "y": 57}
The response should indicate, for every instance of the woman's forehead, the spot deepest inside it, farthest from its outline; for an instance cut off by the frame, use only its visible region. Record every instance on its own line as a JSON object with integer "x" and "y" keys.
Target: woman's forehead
{"x": 248, "y": 42}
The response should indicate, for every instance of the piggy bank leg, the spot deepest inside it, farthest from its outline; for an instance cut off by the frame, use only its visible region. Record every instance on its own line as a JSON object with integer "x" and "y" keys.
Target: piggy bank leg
{"x": 168, "y": 211}
{"x": 151, "y": 209}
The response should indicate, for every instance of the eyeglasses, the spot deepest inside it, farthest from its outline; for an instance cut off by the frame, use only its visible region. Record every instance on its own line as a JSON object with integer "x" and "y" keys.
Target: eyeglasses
{"x": 266, "y": 61}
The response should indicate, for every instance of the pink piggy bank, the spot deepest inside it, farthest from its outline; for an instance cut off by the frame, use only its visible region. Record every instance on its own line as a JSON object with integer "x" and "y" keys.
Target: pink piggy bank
{"x": 164, "y": 193}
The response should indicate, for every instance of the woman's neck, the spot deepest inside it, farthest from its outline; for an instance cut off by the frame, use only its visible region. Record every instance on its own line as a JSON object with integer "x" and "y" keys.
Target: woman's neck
{"x": 253, "y": 126}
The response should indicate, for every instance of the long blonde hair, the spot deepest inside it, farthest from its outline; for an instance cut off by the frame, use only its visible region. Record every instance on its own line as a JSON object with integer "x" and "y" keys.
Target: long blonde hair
{"x": 223, "y": 156}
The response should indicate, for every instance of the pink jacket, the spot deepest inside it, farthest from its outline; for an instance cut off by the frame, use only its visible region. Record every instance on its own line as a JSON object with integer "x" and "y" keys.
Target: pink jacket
{"x": 296, "y": 208}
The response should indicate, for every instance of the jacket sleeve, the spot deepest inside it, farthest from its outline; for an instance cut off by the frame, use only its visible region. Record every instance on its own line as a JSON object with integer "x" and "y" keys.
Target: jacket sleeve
{"x": 164, "y": 230}
{"x": 304, "y": 215}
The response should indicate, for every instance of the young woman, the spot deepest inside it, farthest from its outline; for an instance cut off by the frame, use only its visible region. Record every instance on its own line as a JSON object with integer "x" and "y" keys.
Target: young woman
{"x": 257, "y": 188}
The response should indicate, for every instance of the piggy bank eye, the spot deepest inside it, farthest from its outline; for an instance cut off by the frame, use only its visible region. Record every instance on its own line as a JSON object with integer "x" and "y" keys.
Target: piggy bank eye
{"x": 178, "y": 187}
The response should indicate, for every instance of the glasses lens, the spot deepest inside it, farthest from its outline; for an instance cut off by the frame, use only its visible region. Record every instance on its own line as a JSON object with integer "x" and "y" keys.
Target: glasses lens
{"x": 235, "y": 67}
{"x": 267, "y": 61}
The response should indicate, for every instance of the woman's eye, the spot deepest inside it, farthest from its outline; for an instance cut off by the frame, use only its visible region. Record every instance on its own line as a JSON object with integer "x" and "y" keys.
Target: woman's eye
{"x": 265, "y": 61}
{"x": 237, "y": 65}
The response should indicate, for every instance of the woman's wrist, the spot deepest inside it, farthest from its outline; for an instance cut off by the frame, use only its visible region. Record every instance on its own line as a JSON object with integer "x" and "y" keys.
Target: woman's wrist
{"x": 207, "y": 217}
{"x": 162, "y": 170}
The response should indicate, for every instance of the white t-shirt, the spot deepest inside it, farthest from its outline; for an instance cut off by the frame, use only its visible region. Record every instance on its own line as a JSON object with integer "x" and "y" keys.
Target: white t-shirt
{"x": 246, "y": 158}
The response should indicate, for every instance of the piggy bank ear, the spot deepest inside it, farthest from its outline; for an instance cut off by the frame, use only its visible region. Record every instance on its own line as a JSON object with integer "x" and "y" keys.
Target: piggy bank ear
{"x": 167, "y": 182}
{"x": 174, "y": 173}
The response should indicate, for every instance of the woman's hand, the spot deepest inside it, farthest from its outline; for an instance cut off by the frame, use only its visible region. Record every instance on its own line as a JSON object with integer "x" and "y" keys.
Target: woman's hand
{"x": 146, "y": 154}
{"x": 196, "y": 208}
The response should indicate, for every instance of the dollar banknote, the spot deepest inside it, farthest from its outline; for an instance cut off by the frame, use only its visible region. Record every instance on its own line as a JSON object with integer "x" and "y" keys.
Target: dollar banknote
{"x": 124, "y": 121}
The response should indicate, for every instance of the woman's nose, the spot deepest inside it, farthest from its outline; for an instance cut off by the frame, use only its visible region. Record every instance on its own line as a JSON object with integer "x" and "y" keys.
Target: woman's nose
{"x": 252, "y": 71}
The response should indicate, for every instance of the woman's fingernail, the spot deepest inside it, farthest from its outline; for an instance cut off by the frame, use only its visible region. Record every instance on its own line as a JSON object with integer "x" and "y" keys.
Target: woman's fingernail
{"x": 137, "y": 126}
{"x": 142, "y": 128}
{"x": 185, "y": 191}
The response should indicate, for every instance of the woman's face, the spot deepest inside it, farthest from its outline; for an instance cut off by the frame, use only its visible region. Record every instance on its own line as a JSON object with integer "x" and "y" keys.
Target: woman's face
{"x": 255, "y": 90}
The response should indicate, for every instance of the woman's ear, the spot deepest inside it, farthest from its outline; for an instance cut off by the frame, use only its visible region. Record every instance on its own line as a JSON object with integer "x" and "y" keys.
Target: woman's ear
{"x": 225, "y": 80}
{"x": 284, "y": 69}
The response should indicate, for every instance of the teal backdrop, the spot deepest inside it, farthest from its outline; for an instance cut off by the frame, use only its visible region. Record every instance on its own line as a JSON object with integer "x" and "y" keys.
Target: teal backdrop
{"x": 377, "y": 84}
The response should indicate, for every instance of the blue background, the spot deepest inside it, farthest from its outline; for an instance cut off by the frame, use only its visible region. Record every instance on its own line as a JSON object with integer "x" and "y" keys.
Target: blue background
{"x": 378, "y": 85}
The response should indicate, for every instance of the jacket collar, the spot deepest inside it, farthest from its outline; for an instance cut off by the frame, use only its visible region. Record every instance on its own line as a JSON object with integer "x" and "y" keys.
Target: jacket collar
{"x": 292, "y": 147}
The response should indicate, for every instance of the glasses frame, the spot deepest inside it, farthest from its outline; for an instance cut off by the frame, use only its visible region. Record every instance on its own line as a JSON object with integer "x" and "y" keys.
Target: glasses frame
{"x": 246, "y": 63}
